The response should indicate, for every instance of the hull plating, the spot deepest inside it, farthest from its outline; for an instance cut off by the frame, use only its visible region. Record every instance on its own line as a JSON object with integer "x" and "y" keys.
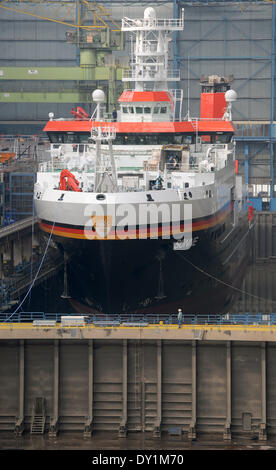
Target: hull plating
{"x": 149, "y": 276}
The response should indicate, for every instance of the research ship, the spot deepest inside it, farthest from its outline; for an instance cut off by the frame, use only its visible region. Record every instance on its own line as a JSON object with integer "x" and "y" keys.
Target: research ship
{"x": 148, "y": 207}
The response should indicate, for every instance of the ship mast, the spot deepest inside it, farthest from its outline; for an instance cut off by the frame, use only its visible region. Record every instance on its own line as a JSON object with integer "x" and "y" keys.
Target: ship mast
{"x": 149, "y": 54}
{"x": 105, "y": 168}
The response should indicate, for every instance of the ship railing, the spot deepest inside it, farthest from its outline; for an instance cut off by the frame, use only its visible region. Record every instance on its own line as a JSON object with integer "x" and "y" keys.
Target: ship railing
{"x": 108, "y": 117}
{"x": 151, "y": 75}
{"x": 129, "y": 24}
{"x": 241, "y": 129}
{"x": 197, "y": 119}
{"x": 49, "y": 166}
{"x": 142, "y": 320}
{"x": 89, "y": 150}
{"x": 69, "y": 119}
{"x": 183, "y": 167}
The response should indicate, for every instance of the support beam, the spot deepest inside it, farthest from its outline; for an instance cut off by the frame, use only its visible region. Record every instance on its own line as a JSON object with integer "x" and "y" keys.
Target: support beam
{"x": 70, "y": 96}
{"x": 246, "y": 166}
{"x": 192, "y": 429}
{"x": 262, "y": 430}
{"x": 85, "y": 72}
{"x": 54, "y": 420}
{"x": 227, "y": 428}
{"x": 76, "y": 94}
{"x": 89, "y": 422}
{"x": 272, "y": 99}
{"x": 123, "y": 424}
{"x": 157, "y": 427}
{"x": 19, "y": 425}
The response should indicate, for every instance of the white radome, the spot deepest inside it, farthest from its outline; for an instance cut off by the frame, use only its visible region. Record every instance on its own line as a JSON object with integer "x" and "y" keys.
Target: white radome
{"x": 230, "y": 96}
{"x": 149, "y": 13}
{"x": 98, "y": 96}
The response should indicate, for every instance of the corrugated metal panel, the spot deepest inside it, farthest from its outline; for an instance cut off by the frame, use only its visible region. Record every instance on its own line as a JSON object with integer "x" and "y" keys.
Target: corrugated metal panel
{"x": 230, "y": 31}
{"x": 214, "y": 383}
{"x": 209, "y": 33}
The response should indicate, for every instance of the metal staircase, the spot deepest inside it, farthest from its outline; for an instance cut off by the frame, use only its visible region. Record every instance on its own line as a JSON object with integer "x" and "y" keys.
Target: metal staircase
{"x": 39, "y": 416}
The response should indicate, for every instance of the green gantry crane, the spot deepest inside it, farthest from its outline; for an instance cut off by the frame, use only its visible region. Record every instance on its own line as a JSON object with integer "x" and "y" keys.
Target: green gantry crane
{"x": 96, "y": 35}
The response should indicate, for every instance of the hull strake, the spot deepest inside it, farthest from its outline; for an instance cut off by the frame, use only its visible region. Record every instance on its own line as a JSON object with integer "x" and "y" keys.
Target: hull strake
{"x": 79, "y": 232}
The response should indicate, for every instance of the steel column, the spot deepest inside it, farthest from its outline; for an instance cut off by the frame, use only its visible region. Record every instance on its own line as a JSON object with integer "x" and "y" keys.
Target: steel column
{"x": 262, "y": 430}
{"x": 192, "y": 429}
{"x": 54, "y": 421}
{"x": 227, "y": 429}
{"x": 123, "y": 424}
{"x": 89, "y": 421}
{"x": 246, "y": 166}
{"x": 272, "y": 99}
{"x": 225, "y": 36}
{"x": 157, "y": 428}
{"x": 78, "y": 22}
{"x": 19, "y": 425}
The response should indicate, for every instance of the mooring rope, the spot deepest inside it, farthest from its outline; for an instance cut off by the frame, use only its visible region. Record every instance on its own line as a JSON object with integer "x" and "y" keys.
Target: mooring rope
{"x": 220, "y": 281}
{"x": 37, "y": 273}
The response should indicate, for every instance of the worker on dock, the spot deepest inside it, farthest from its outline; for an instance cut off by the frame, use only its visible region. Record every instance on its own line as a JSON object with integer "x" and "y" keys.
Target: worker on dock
{"x": 179, "y": 317}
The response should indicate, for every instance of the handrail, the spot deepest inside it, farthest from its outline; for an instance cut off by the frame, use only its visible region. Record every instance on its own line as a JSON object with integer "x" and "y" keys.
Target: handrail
{"x": 142, "y": 319}
{"x": 152, "y": 23}
{"x": 17, "y": 226}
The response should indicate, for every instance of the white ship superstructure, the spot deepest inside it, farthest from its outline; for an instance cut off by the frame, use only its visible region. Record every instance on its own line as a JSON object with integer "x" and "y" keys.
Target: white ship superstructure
{"x": 145, "y": 182}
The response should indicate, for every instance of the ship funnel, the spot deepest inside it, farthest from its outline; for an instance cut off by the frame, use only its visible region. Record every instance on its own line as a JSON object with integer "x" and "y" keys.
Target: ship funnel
{"x": 215, "y": 90}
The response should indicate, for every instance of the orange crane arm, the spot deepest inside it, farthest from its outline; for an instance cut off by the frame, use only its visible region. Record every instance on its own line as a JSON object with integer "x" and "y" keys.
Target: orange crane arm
{"x": 72, "y": 184}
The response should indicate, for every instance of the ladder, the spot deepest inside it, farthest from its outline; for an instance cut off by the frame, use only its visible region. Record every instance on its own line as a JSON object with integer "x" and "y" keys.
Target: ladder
{"x": 38, "y": 424}
{"x": 39, "y": 416}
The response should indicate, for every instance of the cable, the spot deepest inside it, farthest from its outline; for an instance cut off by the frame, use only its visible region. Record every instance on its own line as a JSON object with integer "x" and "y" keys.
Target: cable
{"x": 39, "y": 268}
{"x": 219, "y": 280}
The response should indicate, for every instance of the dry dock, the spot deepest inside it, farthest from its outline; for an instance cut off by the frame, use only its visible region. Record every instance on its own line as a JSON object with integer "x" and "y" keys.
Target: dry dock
{"x": 156, "y": 379}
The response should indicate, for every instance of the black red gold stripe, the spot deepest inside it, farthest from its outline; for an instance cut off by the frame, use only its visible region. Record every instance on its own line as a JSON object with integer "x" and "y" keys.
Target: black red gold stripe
{"x": 160, "y": 230}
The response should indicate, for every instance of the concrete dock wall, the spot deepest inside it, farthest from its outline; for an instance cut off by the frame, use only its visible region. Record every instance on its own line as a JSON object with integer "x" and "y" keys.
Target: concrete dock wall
{"x": 140, "y": 380}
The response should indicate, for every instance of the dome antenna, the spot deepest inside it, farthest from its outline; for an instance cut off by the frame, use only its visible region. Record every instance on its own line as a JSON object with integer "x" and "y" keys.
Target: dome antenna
{"x": 230, "y": 97}
{"x": 98, "y": 98}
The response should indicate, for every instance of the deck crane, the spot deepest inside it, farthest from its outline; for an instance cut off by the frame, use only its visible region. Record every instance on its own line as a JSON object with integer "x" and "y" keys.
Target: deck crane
{"x": 78, "y": 11}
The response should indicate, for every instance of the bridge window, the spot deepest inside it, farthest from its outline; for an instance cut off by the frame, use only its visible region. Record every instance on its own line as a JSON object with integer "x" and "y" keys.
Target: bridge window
{"x": 163, "y": 109}
{"x": 84, "y": 137}
{"x": 70, "y": 138}
{"x": 123, "y": 138}
{"x": 187, "y": 139}
{"x": 147, "y": 110}
{"x": 55, "y": 138}
{"x": 223, "y": 138}
{"x": 156, "y": 110}
{"x": 178, "y": 139}
{"x": 125, "y": 109}
{"x": 67, "y": 138}
{"x": 139, "y": 110}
